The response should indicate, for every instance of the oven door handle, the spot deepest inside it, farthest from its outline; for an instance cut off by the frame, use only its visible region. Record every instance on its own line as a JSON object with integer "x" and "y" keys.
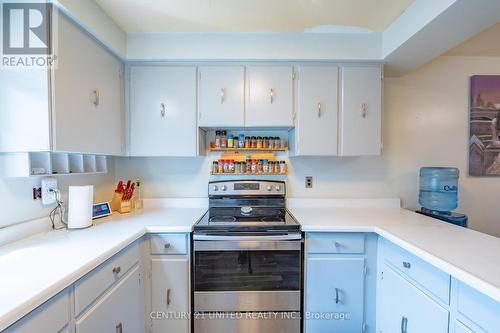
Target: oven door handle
{"x": 294, "y": 236}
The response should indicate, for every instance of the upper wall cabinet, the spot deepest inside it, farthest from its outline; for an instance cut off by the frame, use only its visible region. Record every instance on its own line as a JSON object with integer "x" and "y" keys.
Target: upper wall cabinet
{"x": 163, "y": 111}
{"x": 270, "y": 96}
{"x": 221, "y": 96}
{"x": 75, "y": 107}
{"x": 317, "y": 111}
{"x": 360, "y": 110}
{"x": 88, "y": 95}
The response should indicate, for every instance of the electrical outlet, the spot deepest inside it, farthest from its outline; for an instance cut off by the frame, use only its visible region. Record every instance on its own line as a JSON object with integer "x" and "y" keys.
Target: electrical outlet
{"x": 309, "y": 182}
{"x": 48, "y": 184}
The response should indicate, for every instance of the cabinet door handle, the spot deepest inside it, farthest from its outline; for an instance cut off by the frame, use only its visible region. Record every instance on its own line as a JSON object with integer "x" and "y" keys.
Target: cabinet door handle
{"x": 162, "y": 110}
{"x": 271, "y": 94}
{"x": 337, "y": 299}
{"x": 222, "y": 95}
{"x": 168, "y": 296}
{"x": 96, "y": 96}
{"x": 167, "y": 246}
{"x": 117, "y": 269}
{"x": 404, "y": 325}
{"x": 337, "y": 245}
{"x": 319, "y": 110}
{"x": 406, "y": 264}
{"x": 364, "y": 110}
{"x": 119, "y": 328}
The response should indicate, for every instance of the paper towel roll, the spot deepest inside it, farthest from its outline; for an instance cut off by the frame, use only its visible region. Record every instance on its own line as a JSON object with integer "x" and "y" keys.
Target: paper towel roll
{"x": 80, "y": 203}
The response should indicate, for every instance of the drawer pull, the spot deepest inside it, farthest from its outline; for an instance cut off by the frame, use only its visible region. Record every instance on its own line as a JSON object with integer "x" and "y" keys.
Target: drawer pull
{"x": 119, "y": 328}
{"x": 337, "y": 300}
{"x": 168, "y": 296}
{"x": 117, "y": 269}
{"x": 404, "y": 325}
{"x": 167, "y": 246}
{"x": 406, "y": 264}
{"x": 337, "y": 245}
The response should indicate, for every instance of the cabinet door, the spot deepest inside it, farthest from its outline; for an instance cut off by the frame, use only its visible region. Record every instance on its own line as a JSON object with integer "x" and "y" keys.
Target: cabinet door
{"x": 52, "y": 316}
{"x": 221, "y": 96}
{"x": 317, "y": 110}
{"x": 361, "y": 111}
{"x": 170, "y": 294}
{"x": 120, "y": 310}
{"x": 270, "y": 96}
{"x": 163, "y": 111}
{"x": 88, "y": 113}
{"x": 404, "y": 308}
{"x": 335, "y": 289}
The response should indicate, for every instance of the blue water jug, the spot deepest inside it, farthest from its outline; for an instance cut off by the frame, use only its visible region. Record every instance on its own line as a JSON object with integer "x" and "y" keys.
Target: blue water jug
{"x": 439, "y": 188}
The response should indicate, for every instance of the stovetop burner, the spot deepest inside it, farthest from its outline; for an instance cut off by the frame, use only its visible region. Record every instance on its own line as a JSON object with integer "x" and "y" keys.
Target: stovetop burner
{"x": 221, "y": 219}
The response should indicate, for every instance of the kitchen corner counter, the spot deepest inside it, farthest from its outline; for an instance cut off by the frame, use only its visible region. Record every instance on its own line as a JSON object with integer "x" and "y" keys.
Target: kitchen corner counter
{"x": 469, "y": 256}
{"x": 36, "y": 268}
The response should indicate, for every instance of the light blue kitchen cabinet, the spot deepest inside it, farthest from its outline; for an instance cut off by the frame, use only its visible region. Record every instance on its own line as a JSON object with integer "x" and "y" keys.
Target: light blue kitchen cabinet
{"x": 340, "y": 282}
{"x": 402, "y": 307}
{"x": 335, "y": 294}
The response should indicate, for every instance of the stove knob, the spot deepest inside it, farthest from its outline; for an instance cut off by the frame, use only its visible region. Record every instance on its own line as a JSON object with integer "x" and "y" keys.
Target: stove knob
{"x": 278, "y": 188}
{"x": 223, "y": 187}
{"x": 215, "y": 188}
{"x": 269, "y": 188}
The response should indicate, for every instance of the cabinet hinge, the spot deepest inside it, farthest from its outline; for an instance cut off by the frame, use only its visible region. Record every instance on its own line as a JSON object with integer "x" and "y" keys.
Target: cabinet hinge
{"x": 382, "y": 275}
{"x": 294, "y": 76}
{"x": 365, "y": 270}
{"x": 363, "y": 327}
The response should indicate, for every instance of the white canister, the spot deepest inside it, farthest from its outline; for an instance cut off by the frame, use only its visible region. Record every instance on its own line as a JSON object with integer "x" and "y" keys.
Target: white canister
{"x": 80, "y": 203}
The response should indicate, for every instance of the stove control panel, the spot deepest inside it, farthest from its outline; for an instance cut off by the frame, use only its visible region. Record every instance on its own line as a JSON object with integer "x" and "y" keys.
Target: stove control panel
{"x": 246, "y": 187}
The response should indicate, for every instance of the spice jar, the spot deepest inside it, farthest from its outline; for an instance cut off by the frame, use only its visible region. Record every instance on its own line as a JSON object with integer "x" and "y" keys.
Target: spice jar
{"x": 254, "y": 166}
{"x": 270, "y": 142}
{"x": 282, "y": 167}
{"x": 215, "y": 167}
{"x": 254, "y": 142}
{"x": 241, "y": 141}
{"x": 248, "y": 142}
{"x": 260, "y": 165}
{"x": 223, "y": 139}
{"x": 265, "y": 166}
{"x": 217, "y": 139}
{"x": 283, "y": 143}
{"x": 277, "y": 143}
{"x": 242, "y": 167}
{"x": 265, "y": 142}
{"x": 259, "y": 142}
{"x": 248, "y": 165}
{"x": 230, "y": 141}
{"x": 236, "y": 167}
{"x": 231, "y": 166}
{"x": 276, "y": 167}
{"x": 220, "y": 166}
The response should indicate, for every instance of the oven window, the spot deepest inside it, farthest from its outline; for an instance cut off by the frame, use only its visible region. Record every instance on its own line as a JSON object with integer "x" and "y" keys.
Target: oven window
{"x": 247, "y": 270}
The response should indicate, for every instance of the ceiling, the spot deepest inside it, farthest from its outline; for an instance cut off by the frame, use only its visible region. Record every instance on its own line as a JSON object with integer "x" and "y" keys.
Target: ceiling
{"x": 250, "y": 15}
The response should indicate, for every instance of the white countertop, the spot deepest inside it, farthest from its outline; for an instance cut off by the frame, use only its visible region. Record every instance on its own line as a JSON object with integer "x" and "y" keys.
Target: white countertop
{"x": 36, "y": 268}
{"x": 470, "y": 256}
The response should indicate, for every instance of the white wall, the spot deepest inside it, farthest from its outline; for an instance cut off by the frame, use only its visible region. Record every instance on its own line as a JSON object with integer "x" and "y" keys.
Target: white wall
{"x": 425, "y": 124}
{"x": 17, "y": 204}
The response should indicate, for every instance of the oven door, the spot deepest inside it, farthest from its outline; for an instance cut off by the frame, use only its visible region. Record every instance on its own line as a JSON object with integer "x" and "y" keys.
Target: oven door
{"x": 247, "y": 273}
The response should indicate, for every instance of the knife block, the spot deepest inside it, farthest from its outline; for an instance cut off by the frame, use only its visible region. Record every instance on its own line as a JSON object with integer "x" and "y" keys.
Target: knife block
{"x": 116, "y": 202}
{"x": 125, "y": 206}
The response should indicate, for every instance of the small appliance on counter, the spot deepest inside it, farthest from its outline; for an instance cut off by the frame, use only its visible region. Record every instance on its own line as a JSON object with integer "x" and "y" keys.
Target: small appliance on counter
{"x": 80, "y": 206}
{"x": 438, "y": 194}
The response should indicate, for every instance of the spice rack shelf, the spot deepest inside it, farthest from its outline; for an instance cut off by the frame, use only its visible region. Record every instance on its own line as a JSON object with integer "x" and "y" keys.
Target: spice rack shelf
{"x": 243, "y": 150}
{"x": 248, "y": 174}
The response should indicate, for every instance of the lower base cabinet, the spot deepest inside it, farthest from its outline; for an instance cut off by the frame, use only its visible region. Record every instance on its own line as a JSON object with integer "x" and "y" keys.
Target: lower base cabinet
{"x": 404, "y": 308}
{"x": 119, "y": 311}
{"x": 335, "y": 301}
{"x": 170, "y": 295}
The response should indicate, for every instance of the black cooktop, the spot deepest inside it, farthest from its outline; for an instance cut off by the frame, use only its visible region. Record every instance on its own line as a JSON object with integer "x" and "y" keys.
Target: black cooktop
{"x": 246, "y": 219}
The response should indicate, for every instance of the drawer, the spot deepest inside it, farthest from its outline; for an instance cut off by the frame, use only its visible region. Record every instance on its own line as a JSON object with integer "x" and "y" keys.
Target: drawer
{"x": 478, "y": 308}
{"x": 95, "y": 283}
{"x": 432, "y": 279}
{"x": 51, "y": 316}
{"x": 169, "y": 244}
{"x": 342, "y": 243}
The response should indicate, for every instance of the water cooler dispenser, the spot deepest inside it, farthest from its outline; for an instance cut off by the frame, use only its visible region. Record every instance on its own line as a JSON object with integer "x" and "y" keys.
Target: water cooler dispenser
{"x": 438, "y": 194}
